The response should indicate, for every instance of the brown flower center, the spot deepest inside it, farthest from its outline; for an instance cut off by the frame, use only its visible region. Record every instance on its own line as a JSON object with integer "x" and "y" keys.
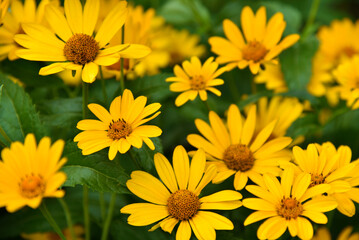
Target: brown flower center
{"x": 197, "y": 82}
{"x": 254, "y": 51}
{"x": 238, "y": 157}
{"x": 119, "y": 129}
{"x": 32, "y": 186}
{"x": 317, "y": 179}
{"x": 183, "y": 204}
{"x": 289, "y": 208}
{"x": 81, "y": 49}
{"x": 349, "y": 51}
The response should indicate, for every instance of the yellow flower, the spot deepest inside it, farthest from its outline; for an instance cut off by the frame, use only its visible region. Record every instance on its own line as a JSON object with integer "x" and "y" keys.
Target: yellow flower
{"x": 29, "y": 173}
{"x": 347, "y": 76}
{"x": 4, "y": 5}
{"x": 20, "y": 13}
{"x": 195, "y": 79}
{"x": 140, "y": 28}
{"x": 272, "y": 77}
{"x": 176, "y": 198}
{"x": 287, "y": 204}
{"x": 70, "y": 44}
{"x": 120, "y": 128}
{"x": 79, "y": 231}
{"x": 346, "y": 234}
{"x": 262, "y": 40}
{"x": 326, "y": 164}
{"x": 234, "y": 148}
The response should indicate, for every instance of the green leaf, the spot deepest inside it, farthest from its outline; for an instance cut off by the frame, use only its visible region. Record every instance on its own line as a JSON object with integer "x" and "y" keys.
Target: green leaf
{"x": 297, "y": 63}
{"x": 176, "y": 12}
{"x": 95, "y": 170}
{"x": 18, "y": 115}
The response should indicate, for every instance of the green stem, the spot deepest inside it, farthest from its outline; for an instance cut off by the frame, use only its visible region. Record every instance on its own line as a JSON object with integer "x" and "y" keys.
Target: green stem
{"x": 68, "y": 217}
{"x": 3, "y": 133}
{"x": 107, "y": 224}
{"x": 85, "y": 99}
{"x": 85, "y": 203}
{"x": 45, "y": 212}
{"x": 207, "y": 105}
{"x": 102, "y": 206}
{"x": 311, "y": 18}
{"x": 103, "y": 85}
{"x": 122, "y": 80}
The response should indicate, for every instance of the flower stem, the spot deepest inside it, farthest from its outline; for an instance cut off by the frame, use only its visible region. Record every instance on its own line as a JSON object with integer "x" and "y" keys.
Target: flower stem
{"x": 102, "y": 206}
{"x": 207, "y": 105}
{"x": 68, "y": 217}
{"x": 103, "y": 85}
{"x": 85, "y": 99}
{"x": 85, "y": 203}
{"x": 311, "y": 18}
{"x": 107, "y": 223}
{"x": 45, "y": 212}
{"x": 122, "y": 80}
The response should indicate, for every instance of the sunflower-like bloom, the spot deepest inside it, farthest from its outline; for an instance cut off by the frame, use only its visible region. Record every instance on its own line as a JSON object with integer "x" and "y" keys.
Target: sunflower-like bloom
{"x": 262, "y": 40}
{"x": 4, "y": 5}
{"x": 70, "y": 44}
{"x": 78, "y": 229}
{"x": 20, "y": 13}
{"x": 272, "y": 77}
{"x": 346, "y": 234}
{"x": 120, "y": 128}
{"x": 176, "y": 198}
{"x": 28, "y": 173}
{"x": 195, "y": 79}
{"x": 326, "y": 164}
{"x": 234, "y": 148}
{"x": 287, "y": 204}
{"x": 347, "y": 76}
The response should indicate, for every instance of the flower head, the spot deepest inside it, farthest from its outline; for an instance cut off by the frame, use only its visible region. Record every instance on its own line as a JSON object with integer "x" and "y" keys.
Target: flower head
{"x": 28, "y": 173}
{"x": 120, "y": 128}
{"x": 4, "y": 5}
{"x": 195, "y": 79}
{"x": 262, "y": 40}
{"x": 234, "y": 148}
{"x": 287, "y": 204}
{"x": 323, "y": 233}
{"x": 70, "y": 43}
{"x": 176, "y": 199}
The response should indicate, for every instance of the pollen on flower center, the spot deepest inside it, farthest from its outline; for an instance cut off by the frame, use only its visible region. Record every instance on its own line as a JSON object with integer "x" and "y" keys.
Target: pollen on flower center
{"x": 32, "y": 186}
{"x": 289, "y": 208}
{"x": 317, "y": 179}
{"x": 197, "y": 82}
{"x": 183, "y": 204}
{"x": 119, "y": 129}
{"x": 81, "y": 49}
{"x": 238, "y": 157}
{"x": 254, "y": 51}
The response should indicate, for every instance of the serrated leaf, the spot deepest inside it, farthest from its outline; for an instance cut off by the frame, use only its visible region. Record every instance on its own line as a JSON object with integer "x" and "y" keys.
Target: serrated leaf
{"x": 18, "y": 115}
{"x": 296, "y": 63}
{"x": 95, "y": 170}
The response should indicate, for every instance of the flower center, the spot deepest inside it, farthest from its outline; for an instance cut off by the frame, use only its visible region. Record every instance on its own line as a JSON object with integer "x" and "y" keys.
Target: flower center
{"x": 254, "y": 51}
{"x": 81, "y": 49}
{"x": 238, "y": 157}
{"x": 117, "y": 65}
{"x": 197, "y": 82}
{"x": 183, "y": 204}
{"x": 289, "y": 208}
{"x": 317, "y": 179}
{"x": 119, "y": 129}
{"x": 32, "y": 186}
{"x": 349, "y": 51}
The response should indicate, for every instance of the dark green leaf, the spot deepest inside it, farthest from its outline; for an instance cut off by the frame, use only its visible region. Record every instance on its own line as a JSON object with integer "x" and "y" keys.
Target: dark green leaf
{"x": 95, "y": 170}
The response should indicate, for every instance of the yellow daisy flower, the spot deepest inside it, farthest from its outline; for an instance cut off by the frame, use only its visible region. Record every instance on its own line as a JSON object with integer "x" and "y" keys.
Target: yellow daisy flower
{"x": 4, "y": 6}
{"x": 287, "y": 204}
{"x": 28, "y": 173}
{"x": 234, "y": 148}
{"x": 176, "y": 199}
{"x": 70, "y": 44}
{"x": 26, "y": 12}
{"x": 262, "y": 40}
{"x": 78, "y": 229}
{"x": 347, "y": 76}
{"x": 346, "y": 234}
{"x": 195, "y": 79}
{"x": 272, "y": 77}
{"x": 120, "y": 128}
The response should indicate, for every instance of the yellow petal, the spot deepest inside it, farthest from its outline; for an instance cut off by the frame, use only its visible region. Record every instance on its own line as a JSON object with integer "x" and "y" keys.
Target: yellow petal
{"x": 90, "y": 15}
{"x": 89, "y": 72}
{"x": 198, "y": 164}
{"x": 234, "y": 122}
{"x": 224, "y": 195}
{"x": 272, "y": 228}
{"x": 305, "y": 228}
{"x": 233, "y": 33}
{"x": 181, "y": 166}
{"x": 73, "y": 11}
{"x": 58, "y": 22}
{"x": 184, "y": 231}
{"x": 249, "y": 126}
{"x": 217, "y": 221}
{"x": 135, "y": 51}
{"x": 201, "y": 228}
{"x": 209, "y": 174}
{"x": 228, "y": 205}
{"x": 247, "y": 20}
{"x": 165, "y": 172}
{"x": 259, "y": 215}
{"x": 100, "y": 112}
{"x": 143, "y": 214}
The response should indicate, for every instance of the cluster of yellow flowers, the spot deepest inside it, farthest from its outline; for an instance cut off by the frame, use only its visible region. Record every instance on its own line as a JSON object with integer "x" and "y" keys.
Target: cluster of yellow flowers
{"x": 289, "y": 187}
